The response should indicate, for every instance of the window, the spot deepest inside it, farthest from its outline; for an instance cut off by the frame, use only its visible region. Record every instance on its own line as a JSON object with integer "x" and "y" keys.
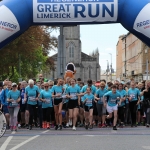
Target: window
{"x": 71, "y": 50}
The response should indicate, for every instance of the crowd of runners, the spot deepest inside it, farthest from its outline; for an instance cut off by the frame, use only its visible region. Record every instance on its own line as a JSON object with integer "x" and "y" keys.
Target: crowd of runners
{"x": 62, "y": 104}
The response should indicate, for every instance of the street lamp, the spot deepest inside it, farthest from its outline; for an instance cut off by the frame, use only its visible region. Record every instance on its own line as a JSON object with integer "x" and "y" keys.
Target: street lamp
{"x": 111, "y": 67}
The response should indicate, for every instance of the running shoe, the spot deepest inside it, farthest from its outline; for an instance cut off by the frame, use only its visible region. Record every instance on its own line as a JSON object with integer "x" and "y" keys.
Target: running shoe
{"x": 103, "y": 126}
{"x": 48, "y": 126}
{"x": 15, "y": 128}
{"x": 7, "y": 127}
{"x": 27, "y": 126}
{"x": 147, "y": 125}
{"x": 11, "y": 128}
{"x": 99, "y": 125}
{"x": 60, "y": 127}
{"x": 74, "y": 128}
{"x": 81, "y": 125}
{"x": 114, "y": 128}
{"x": 67, "y": 125}
{"x": 56, "y": 127}
{"x": 90, "y": 127}
{"x": 30, "y": 127}
{"x": 19, "y": 126}
{"x": 86, "y": 127}
{"x": 135, "y": 125}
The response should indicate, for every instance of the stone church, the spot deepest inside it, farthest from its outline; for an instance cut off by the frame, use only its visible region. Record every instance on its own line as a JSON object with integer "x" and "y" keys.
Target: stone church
{"x": 87, "y": 66}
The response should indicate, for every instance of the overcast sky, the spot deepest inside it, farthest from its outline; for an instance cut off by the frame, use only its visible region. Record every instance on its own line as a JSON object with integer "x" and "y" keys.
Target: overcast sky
{"x": 105, "y": 37}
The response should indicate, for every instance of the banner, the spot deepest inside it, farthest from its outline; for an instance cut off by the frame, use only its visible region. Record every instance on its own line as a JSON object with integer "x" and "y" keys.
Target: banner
{"x": 75, "y": 10}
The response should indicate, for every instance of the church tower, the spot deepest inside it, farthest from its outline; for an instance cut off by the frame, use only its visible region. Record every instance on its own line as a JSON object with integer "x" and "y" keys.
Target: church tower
{"x": 73, "y": 44}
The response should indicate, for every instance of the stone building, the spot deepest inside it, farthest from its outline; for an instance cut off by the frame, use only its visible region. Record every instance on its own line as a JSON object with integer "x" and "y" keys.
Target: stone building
{"x": 87, "y": 66}
{"x": 135, "y": 53}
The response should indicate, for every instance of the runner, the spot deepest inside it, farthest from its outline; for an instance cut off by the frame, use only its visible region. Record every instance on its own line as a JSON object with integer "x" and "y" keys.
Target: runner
{"x": 112, "y": 104}
{"x": 121, "y": 107}
{"x": 32, "y": 94}
{"x": 4, "y": 95}
{"x": 134, "y": 100}
{"x": 57, "y": 92}
{"x": 72, "y": 93}
{"x": 13, "y": 106}
{"x": 100, "y": 106}
{"x": 47, "y": 105}
{"x": 88, "y": 100}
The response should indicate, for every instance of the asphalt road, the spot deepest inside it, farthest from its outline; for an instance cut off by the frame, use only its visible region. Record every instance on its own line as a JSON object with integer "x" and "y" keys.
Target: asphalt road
{"x": 96, "y": 139}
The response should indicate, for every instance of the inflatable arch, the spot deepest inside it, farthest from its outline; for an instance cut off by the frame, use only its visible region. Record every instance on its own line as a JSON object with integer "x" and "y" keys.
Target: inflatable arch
{"x": 17, "y": 16}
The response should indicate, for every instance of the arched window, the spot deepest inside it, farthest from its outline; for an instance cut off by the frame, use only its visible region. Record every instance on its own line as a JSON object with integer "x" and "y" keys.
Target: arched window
{"x": 71, "y": 50}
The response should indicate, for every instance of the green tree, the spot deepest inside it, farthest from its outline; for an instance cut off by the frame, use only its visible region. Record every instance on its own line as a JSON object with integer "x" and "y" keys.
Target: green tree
{"x": 32, "y": 47}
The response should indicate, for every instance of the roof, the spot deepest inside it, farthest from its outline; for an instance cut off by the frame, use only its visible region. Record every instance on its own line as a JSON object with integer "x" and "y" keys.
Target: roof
{"x": 84, "y": 57}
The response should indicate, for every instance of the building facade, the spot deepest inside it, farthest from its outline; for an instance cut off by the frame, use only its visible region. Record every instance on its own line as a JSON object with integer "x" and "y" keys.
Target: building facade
{"x": 87, "y": 67}
{"x": 131, "y": 58}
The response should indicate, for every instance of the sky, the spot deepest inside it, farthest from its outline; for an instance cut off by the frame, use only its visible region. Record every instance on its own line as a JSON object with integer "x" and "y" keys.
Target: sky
{"x": 104, "y": 37}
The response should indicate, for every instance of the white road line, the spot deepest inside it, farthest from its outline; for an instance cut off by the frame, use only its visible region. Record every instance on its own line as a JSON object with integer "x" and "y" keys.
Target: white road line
{"x": 23, "y": 143}
{"x": 45, "y": 131}
{"x": 5, "y": 144}
{"x": 146, "y": 147}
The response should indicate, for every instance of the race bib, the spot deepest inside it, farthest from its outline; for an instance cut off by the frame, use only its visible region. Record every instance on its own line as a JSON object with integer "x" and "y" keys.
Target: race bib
{"x": 113, "y": 101}
{"x": 48, "y": 101}
{"x": 89, "y": 101}
{"x": 73, "y": 95}
{"x": 132, "y": 95}
{"x": 59, "y": 93}
{"x": 14, "y": 103}
{"x": 32, "y": 98}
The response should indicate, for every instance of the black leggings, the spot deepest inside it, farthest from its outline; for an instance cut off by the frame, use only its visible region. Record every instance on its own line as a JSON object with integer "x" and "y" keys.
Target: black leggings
{"x": 47, "y": 113}
{"x": 121, "y": 113}
{"x": 133, "y": 109}
{"x": 32, "y": 112}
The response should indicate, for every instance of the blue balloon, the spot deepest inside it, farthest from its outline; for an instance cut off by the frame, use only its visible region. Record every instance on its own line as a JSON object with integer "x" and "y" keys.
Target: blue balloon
{"x": 16, "y": 17}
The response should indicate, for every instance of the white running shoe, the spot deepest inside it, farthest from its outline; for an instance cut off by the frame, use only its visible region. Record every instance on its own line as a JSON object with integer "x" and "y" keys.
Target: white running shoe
{"x": 67, "y": 125}
{"x": 74, "y": 128}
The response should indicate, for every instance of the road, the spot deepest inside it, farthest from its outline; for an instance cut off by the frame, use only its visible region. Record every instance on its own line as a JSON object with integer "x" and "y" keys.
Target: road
{"x": 102, "y": 139}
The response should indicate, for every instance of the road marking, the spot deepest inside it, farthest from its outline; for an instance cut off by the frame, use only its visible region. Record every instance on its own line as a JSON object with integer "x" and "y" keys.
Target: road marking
{"x": 45, "y": 131}
{"x": 23, "y": 143}
{"x": 5, "y": 144}
{"x": 146, "y": 147}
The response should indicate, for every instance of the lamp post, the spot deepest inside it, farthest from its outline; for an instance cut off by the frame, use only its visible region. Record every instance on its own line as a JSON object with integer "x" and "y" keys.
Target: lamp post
{"x": 111, "y": 67}
{"x": 147, "y": 63}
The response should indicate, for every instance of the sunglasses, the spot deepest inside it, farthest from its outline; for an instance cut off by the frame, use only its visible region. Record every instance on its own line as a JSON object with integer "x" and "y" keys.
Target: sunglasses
{"x": 46, "y": 86}
{"x": 14, "y": 86}
{"x": 50, "y": 85}
{"x": 102, "y": 86}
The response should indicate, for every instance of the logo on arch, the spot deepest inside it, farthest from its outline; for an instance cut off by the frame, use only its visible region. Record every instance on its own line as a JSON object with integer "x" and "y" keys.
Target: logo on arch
{"x": 75, "y": 10}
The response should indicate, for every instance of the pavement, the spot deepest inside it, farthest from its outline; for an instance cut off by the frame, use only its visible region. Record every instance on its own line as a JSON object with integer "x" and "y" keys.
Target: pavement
{"x": 96, "y": 139}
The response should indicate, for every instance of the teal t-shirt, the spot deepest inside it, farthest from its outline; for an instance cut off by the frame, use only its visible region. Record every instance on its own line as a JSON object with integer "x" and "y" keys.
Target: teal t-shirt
{"x": 100, "y": 93}
{"x": 57, "y": 90}
{"x": 13, "y": 95}
{"x": 123, "y": 93}
{"x": 93, "y": 89}
{"x": 73, "y": 91}
{"x": 112, "y": 98}
{"x": 48, "y": 96}
{"x": 32, "y": 94}
{"x": 134, "y": 93}
{"x": 90, "y": 99}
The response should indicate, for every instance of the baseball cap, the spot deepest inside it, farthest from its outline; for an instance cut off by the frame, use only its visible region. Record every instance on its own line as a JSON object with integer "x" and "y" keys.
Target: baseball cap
{"x": 14, "y": 84}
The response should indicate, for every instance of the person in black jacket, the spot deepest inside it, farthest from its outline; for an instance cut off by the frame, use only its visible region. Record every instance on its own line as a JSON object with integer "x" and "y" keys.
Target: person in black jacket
{"x": 146, "y": 102}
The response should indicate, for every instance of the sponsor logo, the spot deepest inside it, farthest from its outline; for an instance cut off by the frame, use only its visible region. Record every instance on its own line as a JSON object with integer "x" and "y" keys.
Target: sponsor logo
{"x": 75, "y": 10}
{"x": 8, "y": 23}
{"x": 142, "y": 22}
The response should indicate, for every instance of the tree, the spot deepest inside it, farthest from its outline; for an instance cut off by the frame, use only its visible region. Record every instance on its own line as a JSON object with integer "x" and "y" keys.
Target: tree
{"x": 32, "y": 47}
